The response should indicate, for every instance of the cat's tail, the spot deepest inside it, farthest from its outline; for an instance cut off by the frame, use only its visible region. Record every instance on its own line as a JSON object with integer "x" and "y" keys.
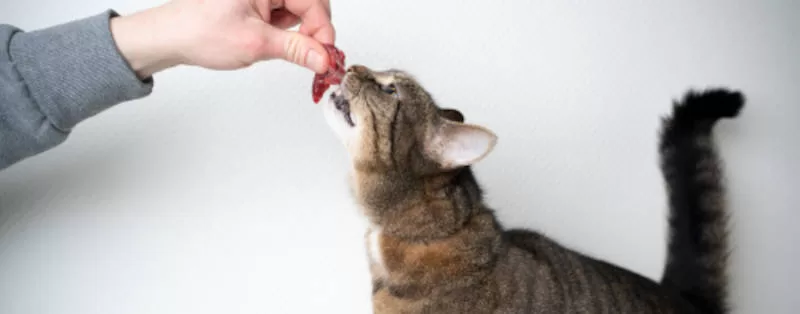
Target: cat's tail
{"x": 698, "y": 243}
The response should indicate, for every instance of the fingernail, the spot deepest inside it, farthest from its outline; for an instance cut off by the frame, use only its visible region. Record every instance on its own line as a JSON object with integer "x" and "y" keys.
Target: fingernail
{"x": 314, "y": 61}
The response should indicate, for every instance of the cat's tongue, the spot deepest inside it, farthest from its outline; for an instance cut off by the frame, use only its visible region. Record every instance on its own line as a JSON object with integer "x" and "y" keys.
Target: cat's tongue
{"x": 334, "y": 75}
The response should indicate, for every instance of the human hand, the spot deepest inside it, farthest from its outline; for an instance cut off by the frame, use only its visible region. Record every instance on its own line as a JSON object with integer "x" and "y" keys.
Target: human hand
{"x": 225, "y": 34}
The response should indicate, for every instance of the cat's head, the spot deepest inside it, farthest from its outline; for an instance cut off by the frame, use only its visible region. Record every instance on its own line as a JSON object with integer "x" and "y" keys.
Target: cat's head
{"x": 389, "y": 123}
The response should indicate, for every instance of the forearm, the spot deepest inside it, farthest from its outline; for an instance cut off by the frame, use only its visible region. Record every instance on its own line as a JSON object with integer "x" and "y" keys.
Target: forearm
{"x": 52, "y": 79}
{"x": 149, "y": 39}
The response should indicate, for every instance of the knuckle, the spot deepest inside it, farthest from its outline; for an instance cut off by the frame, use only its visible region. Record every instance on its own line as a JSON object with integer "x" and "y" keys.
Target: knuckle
{"x": 294, "y": 48}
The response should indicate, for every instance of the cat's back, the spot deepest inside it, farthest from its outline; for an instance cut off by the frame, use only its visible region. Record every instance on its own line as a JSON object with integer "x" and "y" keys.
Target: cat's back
{"x": 539, "y": 275}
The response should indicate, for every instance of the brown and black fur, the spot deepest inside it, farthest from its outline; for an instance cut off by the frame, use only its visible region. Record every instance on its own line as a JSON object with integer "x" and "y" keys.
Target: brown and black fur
{"x": 442, "y": 249}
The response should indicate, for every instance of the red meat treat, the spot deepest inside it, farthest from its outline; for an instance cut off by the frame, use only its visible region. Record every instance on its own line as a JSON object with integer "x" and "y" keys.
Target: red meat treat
{"x": 333, "y": 76}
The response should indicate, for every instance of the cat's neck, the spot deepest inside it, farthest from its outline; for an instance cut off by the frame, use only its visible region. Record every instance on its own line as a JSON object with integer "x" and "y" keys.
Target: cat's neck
{"x": 419, "y": 208}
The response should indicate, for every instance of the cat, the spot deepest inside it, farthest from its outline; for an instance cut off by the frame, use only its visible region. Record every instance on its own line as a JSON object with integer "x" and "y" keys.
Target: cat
{"x": 434, "y": 246}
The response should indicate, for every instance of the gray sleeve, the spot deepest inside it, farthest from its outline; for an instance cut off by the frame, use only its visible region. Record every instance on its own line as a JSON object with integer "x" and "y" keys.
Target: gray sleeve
{"x": 51, "y": 79}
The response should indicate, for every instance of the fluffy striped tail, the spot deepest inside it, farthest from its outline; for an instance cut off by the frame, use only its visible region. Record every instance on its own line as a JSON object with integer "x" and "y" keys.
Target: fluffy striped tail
{"x": 698, "y": 243}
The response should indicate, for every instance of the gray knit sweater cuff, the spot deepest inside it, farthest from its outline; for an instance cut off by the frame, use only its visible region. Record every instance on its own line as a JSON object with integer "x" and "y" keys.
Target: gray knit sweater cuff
{"x": 75, "y": 71}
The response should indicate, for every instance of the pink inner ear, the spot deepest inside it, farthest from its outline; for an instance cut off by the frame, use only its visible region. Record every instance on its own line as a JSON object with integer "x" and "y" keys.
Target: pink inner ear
{"x": 462, "y": 144}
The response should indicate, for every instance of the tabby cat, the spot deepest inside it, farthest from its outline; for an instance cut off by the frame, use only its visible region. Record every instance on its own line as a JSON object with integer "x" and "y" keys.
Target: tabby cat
{"x": 434, "y": 246}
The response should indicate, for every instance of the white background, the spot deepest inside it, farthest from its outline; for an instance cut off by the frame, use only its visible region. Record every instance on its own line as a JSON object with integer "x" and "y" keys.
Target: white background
{"x": 224, "y": 192}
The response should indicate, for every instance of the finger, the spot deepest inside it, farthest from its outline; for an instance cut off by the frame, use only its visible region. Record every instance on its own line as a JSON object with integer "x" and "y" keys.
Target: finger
{"x": 263, "y": 8}
{"x": 296, "y": 48}
{"x": 324, "y": 33}
{"x": 316, "y": 18}
{"x": 284, "y": 19}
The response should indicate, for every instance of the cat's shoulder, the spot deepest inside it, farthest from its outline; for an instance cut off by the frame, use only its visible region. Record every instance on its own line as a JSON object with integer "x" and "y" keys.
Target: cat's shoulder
{"x": 529, "y": 240}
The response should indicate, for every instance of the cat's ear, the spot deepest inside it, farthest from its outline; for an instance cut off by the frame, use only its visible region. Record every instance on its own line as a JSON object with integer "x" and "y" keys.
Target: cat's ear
{"x": 456, "y": 145}
{"x": 452, "y": 115}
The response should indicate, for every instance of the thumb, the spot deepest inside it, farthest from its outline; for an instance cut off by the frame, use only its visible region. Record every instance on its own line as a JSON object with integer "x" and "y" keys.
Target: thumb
{"x": 296, "y": 48}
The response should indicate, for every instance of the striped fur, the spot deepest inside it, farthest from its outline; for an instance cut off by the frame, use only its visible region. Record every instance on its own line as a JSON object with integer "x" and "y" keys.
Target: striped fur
{"x": 436, "y": 247}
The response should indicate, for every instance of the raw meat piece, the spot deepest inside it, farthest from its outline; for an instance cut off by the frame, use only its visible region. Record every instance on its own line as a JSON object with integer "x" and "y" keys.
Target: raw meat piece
{"x": 333, "y": 76}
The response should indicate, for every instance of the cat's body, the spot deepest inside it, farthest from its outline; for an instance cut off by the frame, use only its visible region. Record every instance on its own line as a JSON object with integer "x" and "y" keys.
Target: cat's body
{"x": 524, "y": 272}
{"x": 435, "y": 247}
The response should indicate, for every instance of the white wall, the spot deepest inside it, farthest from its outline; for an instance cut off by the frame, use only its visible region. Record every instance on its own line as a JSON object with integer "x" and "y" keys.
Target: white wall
{"x": 224, "y": 192}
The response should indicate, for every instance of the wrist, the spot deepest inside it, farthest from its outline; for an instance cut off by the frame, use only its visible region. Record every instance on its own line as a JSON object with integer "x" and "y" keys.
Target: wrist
{"x": 144, "y": 40}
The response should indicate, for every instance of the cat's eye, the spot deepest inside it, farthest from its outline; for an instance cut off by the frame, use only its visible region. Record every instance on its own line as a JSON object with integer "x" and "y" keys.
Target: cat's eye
{"x": 389, "y": 89}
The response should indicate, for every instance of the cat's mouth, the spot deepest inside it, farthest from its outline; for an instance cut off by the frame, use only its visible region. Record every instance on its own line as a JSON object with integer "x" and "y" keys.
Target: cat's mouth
{"x": 343, "y": 106}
